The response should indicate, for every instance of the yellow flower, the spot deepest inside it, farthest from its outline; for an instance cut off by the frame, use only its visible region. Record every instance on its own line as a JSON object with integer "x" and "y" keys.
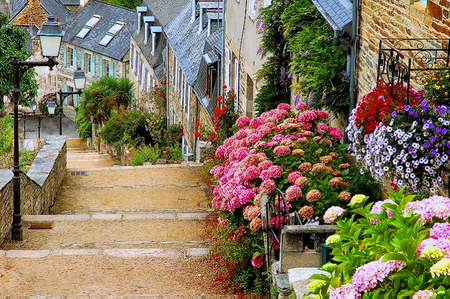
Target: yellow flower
{"x": 333, "y": 239}
{"x": 432, "y": 253}
{"x": 441, "y": 267}
{"x": 316, "y": 284}
{"x": 329, "y": 267}
{"x": 437, "y": 87}
{"x": 357, "y": 198}
{"x": 443, "y": 86}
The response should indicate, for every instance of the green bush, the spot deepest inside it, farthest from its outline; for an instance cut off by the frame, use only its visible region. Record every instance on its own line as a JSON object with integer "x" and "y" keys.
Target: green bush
{"x": 122, "y": 128}
{"x": 6, "y": 134}
{"x": 145, "y": 154}
{"x": 173, "y": 153}
{"x": 84, "y": 126}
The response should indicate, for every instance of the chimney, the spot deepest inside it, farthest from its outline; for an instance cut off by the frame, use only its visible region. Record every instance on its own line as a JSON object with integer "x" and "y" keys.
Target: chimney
{"x": 155, "y": 29}
{"x": 194, "y": 10}
{"x": 140, "y": 11}
{"x": 147, "y": 21}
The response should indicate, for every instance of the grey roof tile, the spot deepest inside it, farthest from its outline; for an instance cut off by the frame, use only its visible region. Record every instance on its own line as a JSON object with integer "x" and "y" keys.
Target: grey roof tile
{"x": 119, "y": 45}
{"x": 16, "y": 6}
{"x": 338, "y": 13}
{"x": 56, "y": 8}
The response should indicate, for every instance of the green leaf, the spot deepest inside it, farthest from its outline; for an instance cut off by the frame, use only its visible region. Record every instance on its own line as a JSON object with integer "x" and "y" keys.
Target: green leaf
{"x": 394, "y": 256}
{"x": 319, "y": 276}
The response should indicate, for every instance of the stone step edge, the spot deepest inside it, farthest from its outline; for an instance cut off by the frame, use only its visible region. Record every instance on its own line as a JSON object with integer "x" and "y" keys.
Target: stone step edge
{"x": 117, "y": 253}
{"x": 131, "y": 244}
{"x": 133, "y": 211}
{"x": 115, "y": 217}
{"x": 118, "y": 167}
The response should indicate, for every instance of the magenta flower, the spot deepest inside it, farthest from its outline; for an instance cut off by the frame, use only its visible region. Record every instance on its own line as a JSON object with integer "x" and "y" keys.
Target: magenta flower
{"x": 301, "y": 106}
{"x": 284, "y": 106}
{"x": 242, "y": 121}
{"x": 258, "y": 261}
{"x": 335, "y": 133}
{"x": 282, "y": 150}
{"x": 293, "y": 176}
{"x": 256, "y": 122}
{"x": 440, "y": 230}
{"x": 345, "y": 291}
{"x": 321, "y": 128}
{"x": 264, "y": 165}
{"x": 252, "y": 173}
{"x": 293, "y": 192}
{"x": 368, "y": 276}
{"x": 268, "y": 186}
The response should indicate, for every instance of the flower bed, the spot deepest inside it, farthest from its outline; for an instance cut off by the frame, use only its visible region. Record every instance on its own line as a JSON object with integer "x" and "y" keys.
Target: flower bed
{"x": 295, "y": 151}
{"x": 394, "y": 248}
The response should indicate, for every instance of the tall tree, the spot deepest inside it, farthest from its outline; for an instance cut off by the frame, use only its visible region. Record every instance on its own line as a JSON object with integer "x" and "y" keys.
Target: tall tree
{"x": 13, "y": 43}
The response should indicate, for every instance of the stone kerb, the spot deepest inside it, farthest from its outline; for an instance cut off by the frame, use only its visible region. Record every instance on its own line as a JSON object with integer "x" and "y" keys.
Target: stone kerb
{"x": 38, "y": 187}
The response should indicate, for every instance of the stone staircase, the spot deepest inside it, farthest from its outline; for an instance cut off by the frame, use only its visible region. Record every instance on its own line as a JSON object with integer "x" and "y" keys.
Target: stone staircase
{"x": 113, "y": 231}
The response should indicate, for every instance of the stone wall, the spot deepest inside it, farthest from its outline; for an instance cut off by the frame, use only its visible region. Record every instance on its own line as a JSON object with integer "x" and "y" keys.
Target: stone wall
{"x": 395, "y": 19}
{"x": 38, "y": 187}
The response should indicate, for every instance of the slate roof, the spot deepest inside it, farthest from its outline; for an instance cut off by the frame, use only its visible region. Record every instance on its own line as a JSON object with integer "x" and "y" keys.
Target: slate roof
{"x": 338, "y": 13}
{"x": 52, "y": 7}
{"x": 16, "y": 6}
{"x": 56, "y": 8}
{"x": 119, "y": 45}
{"x": 71, "y": 2}
{"x": 163, "y": 11}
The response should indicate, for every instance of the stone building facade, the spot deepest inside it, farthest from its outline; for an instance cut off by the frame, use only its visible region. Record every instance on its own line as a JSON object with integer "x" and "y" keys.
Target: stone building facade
{"x": 395, "y": 19}
{"x": 241, "y": 59}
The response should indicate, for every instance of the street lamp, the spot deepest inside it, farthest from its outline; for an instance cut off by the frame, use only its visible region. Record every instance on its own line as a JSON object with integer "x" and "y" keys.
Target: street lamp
{"x": 50, "y": 37}
{"x": 79, "y": 80}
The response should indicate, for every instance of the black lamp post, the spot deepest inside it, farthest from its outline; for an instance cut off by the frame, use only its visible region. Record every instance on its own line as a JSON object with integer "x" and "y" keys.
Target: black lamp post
{"x": 79, "y": 79}
{"x": 50, "y": 37}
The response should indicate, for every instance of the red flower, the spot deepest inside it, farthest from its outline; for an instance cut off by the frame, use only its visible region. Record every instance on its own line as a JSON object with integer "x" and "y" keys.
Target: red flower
{"x": 197, "y": 134}
{"x": 224, "y": 86}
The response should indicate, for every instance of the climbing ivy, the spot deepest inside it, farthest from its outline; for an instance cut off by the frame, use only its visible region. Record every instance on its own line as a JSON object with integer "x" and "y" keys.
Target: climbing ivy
{"x": 299, "y": 42}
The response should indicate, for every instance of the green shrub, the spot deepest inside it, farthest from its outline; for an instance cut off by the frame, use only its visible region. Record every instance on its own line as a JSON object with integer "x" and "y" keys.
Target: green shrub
{"x": 145, "y": 154}
{"x": 124, "y": 128}
{"x": 6, "y": 134}
{"x": 84, "y": 126}
{"x": 173, "y": 153}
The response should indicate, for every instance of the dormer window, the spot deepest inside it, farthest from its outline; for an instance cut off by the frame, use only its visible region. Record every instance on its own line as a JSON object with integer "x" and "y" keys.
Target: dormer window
{"x": 88, "y": 26}
{"x": 113, "y": 31}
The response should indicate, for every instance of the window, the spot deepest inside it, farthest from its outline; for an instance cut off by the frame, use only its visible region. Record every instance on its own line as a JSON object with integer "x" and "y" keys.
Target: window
{"x": 252, "y": 9}
{"x": 267, "y": 2}
{"x": 88, "y": 26}
{"x": 236, "y": 85}
{"x": 70, "y": 56}
{"x": 113, "y": 31}
{"x": 132, "y": 57}
{"x": 249, "y": 96}
{"x": 227, "y": 67}
{"x": 148, "y": 82}
{"x": 88, "y": 62}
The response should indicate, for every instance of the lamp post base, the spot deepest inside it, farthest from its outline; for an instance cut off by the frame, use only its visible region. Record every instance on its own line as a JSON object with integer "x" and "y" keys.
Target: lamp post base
{"x": 17, "y": 233}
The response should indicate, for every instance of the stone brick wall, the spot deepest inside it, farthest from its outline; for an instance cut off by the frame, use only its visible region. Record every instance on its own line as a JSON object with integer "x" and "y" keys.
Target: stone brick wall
{"x": 38, "y": 187}
{"x": 395, "y": 19}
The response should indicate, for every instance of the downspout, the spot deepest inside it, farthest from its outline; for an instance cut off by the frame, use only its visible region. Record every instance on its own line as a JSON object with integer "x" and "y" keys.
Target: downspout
{"x": 167, "y": 83}
{"x": 222, "y": 60}
{"x": 353, "y": 58}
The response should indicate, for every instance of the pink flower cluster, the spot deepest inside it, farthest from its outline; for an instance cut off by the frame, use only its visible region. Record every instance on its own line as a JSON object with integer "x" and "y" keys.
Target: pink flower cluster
{"x": 258, "y": 261}
{"x": 332, "y": 214}
{"x": 253, "y": 157}
{"x": 377, "y": 208}
{"x": 439, "y": 237}
{"x": 345, "y": 291}
{"x": 368, "y": 276}
{"x": 429, "y": 208}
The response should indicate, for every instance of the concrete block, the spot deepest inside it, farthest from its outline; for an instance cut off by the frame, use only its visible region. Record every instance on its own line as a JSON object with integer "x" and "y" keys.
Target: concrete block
{"x": 66, "y": 252}
{"x": 192, "y": 216}
{"x": 106, "y": 217}
{"x": 160, "y": 216}
{"x": 144, "y": 253}
{"x": 291, "y": 260}
{"x": 30, "y": 254}
{"x": 197, "y": 252}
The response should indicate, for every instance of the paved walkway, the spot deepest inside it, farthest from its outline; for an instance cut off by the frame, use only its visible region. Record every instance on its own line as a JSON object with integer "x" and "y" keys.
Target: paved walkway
{"x": 115, "y": 231}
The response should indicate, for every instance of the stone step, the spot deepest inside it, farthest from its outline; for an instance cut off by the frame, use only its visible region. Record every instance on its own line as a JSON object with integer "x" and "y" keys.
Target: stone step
{"x": 130, "y": 198}
{"x": 108, "y": 272}
{"x": 140, "y": 297}
{"x": 159, "y": 213}
{"x": 168, "y": 214}
{"x": 85, "y": 154}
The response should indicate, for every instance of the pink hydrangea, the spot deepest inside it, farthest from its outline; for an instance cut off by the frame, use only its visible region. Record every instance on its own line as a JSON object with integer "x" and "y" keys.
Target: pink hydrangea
{"x": 368, "y": 276}
{"x": 321, "y": 128}
{"x": 268, "y": 186}
{"x": 435, "y": 206}
{"x": 301, "y": 106}
{"x": 293, "y": 192}
{"x": 258, "y": 261}
{"x": 217, "y": 171}
{"x": 335, "y": 133}
{"x": 273, "y": 171}
{"x": 346, "y": 291}
{"x": 424, "y": 294}
{"x": 284, "y": 106}
{"x": 442, "y": 244}
{"x": 281, "y": 150}
{"x": 242, "y": 121}
{"x": 265, "y": 164}
{"x": 377, "y": 208}
{"x": 256, "y": 122}
{"x": 332, "y": 214}
{"x": 220, "y": 151}
{"x": 253, "y": 138}
{"x": 293, "y": 176}
{"x": 252, "y": 173}
{"x": 440, "y": 230}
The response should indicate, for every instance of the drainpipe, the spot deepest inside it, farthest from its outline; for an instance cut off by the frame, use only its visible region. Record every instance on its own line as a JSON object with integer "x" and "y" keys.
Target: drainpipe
{"x": 222, "y": 60}
{"x": 353, "y": 58}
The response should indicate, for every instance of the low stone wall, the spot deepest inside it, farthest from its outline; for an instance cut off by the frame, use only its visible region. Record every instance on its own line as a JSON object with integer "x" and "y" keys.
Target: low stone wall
{"x": 38, "y": 187}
